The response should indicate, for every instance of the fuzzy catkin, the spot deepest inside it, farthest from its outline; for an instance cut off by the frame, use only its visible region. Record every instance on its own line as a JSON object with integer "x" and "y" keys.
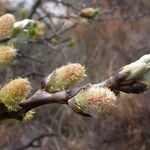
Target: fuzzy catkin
{"x": 6, "y": 25}
{"x": 15, "y": 92}
{"x": 7, "y": 54}
{"x": 95, "y": 100}
{"x": 65, "y": 77}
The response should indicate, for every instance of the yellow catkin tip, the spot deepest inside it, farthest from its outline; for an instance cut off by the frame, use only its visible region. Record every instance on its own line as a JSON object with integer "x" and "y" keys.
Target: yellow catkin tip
{"x": 65, "y": 77}
{"x": 7, "y": 54}
{"x": 96, "y": 100}
{"x": 29, "y": 115}
{"x": 6, "y": 25}
{"x": 15, "y": 92}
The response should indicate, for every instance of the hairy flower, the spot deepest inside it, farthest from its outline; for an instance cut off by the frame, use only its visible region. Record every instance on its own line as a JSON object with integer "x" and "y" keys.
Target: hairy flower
{"x": 15, "y": 92}
{"x": 7, "y": 54}
{"x": 64, "y": 77}
{"x": 95, "y": 100}
{"x": 6, "y": 25}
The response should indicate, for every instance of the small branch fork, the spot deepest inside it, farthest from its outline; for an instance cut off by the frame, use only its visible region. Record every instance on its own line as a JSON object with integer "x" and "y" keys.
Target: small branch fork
{"x": 116, "y": 83}
{"x": 40, "y": 98}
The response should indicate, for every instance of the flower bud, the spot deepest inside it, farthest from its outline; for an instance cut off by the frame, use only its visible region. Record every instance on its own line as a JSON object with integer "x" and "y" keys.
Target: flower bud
{"x": 94, "y": 100}
{"x": 139, "y": 70}
{"x": 7, "y": 54}
{"x": 6, "y": 25}
{"x": 40, "y": 29}
{"x": 15, "y": 92}
{"x": 89, "y": 12}
{"x": 146, "y": 79}
{"x": 145, "y": 59}
{"x": 64, "y": 77}
{"x": 23, "y": 25}
{"x": 136, "y": 70}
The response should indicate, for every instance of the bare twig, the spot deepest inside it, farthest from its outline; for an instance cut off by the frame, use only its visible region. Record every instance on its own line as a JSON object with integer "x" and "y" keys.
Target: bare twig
{"x": 20, "y": 54}
{"x": 35, "y": 6}
{"x": 33, "y": 143}
{"x": 125, "y": 17}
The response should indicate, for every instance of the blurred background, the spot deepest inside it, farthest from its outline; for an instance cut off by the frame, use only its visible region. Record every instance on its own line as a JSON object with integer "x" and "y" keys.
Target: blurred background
{"x": 120, "y": 35}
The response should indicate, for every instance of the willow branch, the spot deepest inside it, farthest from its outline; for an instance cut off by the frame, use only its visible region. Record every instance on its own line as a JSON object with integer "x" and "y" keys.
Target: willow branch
{"x": 40, "y": 98}
{"x": 115, "y": 83}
